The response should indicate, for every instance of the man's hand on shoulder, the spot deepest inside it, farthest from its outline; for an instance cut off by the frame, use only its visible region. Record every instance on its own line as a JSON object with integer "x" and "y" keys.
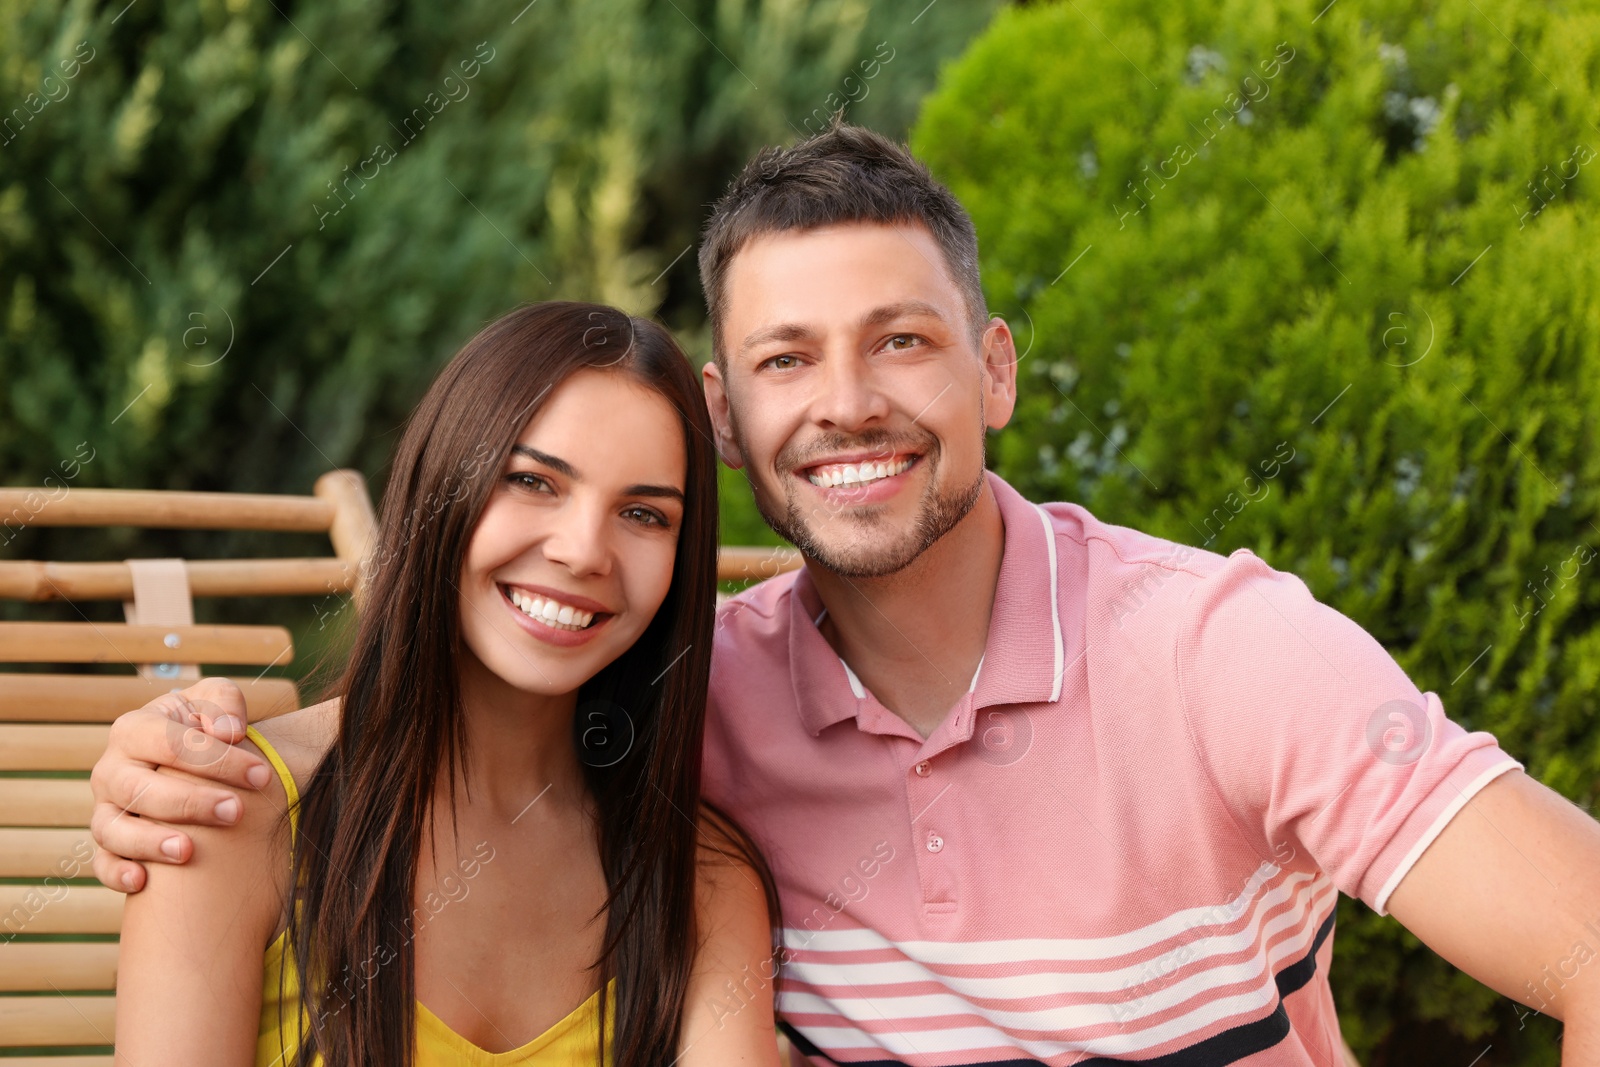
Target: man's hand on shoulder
{"x": 196, "y": 730}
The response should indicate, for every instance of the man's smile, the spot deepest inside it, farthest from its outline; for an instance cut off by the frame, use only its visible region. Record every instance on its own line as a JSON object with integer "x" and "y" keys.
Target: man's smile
{"x": 853, "y": 471}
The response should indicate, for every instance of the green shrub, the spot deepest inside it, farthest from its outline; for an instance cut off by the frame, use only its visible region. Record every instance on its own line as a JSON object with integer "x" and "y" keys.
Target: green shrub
{"x": 1369, "y": 243}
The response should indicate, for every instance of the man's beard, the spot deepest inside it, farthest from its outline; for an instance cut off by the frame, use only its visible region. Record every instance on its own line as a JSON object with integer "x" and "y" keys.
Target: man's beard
{"x": 938, "y": 513}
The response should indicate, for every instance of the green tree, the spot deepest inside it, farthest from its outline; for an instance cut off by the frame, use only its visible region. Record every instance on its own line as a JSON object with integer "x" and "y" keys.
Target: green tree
{"x": 237, "y": 238}
{"x": 1361, "y": 237}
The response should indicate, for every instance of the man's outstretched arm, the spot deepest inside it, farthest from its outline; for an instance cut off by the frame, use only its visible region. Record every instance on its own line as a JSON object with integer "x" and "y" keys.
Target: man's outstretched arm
{"x": 195, "y": 730}
{"x": 1509, "y": 892}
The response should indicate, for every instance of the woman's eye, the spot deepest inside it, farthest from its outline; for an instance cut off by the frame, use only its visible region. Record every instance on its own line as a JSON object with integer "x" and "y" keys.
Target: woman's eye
{"x": 528, "y": 480}
{"x": 645, "y": 516}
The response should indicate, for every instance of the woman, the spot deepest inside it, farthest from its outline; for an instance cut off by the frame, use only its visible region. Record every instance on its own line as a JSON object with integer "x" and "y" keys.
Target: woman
{"x": 487, "y": 851}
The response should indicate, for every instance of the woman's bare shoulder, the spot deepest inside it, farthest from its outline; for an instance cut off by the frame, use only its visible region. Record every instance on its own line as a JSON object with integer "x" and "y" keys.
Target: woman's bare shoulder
{"x": 257, "y": 842}
{"x": 732, "y": 879}
{"x": 302, "y": 737}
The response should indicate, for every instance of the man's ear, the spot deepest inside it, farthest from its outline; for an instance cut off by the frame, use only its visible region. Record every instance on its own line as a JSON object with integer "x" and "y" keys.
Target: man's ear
{"x": 721, "y": 415}
{"x": 999, "y": 355}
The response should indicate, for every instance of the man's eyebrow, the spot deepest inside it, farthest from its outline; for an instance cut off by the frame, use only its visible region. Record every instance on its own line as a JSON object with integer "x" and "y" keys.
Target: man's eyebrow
{"x": 795, "y": 331}
{"x": 560, "y": 466}
{"x": 785, "y": 331}
{"x": 903, "y": 309}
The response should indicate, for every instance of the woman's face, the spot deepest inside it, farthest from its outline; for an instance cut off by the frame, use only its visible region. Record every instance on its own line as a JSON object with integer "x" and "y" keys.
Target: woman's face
{"x": 573, "y": 553}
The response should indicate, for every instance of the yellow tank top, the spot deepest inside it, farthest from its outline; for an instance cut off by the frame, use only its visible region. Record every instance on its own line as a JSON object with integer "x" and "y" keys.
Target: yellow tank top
{"x": 569, "y": 1043}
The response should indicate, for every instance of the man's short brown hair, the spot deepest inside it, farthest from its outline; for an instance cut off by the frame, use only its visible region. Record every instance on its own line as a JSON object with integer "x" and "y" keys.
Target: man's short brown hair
{"x": 844, "y": 174}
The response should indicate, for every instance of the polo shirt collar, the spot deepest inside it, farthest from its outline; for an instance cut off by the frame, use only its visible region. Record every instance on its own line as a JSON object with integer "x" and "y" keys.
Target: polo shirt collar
{"x": 1030, "y": 632}
{"x": 824, "y": 688}
{"x": 1023, "y": 661}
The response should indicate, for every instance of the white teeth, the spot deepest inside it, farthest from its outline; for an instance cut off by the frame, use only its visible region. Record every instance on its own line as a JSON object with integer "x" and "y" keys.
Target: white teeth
{"x": 854, "y": 474}
{"x": 551, "y": 612}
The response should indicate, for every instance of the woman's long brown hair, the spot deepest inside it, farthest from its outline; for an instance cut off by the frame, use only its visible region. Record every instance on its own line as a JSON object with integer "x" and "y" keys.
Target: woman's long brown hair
{"x": 364, "y": 812}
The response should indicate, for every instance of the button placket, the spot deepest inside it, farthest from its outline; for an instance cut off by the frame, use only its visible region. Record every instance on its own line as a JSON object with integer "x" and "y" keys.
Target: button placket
{"x": 927, "y": 800}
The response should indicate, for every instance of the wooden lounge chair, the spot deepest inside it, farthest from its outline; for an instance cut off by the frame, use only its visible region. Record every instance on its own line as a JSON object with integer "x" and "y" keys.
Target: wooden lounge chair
{"x": 58, "y": 951}
{"x": 58, "y": 928}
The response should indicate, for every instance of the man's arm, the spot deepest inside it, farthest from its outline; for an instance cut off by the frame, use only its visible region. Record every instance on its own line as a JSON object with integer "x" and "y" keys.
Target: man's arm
{"x": 196, "y": 730}
{"x": 1509, "y": 892}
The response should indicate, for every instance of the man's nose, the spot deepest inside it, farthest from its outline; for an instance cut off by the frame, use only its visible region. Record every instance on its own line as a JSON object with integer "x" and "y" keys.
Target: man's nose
{"x": 851, "y": 396}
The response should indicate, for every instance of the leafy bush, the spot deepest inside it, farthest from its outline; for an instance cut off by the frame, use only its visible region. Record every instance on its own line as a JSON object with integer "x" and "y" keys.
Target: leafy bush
{"x": 1352, "y": 246}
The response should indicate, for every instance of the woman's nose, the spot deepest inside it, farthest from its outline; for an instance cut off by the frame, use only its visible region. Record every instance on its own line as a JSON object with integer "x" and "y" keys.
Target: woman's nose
{"x": 579, "y": 540}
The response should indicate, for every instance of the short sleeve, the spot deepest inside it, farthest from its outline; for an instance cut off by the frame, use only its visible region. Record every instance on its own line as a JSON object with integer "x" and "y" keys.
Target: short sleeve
{"x": 1314, "y": 736}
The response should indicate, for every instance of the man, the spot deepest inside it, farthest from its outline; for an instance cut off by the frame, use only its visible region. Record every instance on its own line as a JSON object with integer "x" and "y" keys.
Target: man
{"x": 1035, "y": 788}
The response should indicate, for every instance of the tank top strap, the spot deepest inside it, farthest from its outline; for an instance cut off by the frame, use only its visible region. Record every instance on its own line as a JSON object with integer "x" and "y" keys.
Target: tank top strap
{"x": 289, "y": 788}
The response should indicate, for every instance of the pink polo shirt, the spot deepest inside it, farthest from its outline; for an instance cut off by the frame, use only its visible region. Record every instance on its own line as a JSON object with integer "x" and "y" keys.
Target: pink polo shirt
{"x": 1124, "y": 843}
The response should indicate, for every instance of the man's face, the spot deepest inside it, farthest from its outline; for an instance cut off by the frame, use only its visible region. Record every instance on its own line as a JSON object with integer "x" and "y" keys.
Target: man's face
{"x": 854, "y": 392}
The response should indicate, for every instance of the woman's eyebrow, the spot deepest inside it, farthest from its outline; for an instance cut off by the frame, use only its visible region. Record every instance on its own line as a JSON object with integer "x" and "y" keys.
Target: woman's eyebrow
{"x": 560, "y": 466}
{"x": 565, "y": 469}
{"x": 654, "y": 490}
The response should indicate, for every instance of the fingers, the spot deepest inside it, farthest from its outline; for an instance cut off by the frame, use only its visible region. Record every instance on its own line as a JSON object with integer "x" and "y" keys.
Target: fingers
{"x": 227, "y": 698}
{"x": 127, "y": 838}
{"x": 140, "y": 790}
{"x": 219, "y": 723}
{"x": 116, "y": 873}
{"x": 171, "y": 732}
{"x": 194, "y": 731}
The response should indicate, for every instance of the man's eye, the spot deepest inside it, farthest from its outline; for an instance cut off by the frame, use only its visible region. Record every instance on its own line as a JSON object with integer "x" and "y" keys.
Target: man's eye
{"x": 902, "y": 341}
{"x": 784, "y": 362}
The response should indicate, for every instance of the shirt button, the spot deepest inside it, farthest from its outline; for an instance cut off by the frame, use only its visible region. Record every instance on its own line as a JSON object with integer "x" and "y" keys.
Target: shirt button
{"x": 935, "y": 843}
{"x": 923, "y": 770}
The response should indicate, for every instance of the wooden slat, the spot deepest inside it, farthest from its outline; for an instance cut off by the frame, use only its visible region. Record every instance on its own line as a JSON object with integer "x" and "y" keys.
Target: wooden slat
{"x": 51, "y": 747}
{"x": 64, "y": 1061}
{"x": 737, "y": 563}
{"x": 102, "y": 697}
{"x": 32, "y": 853}
{"x": 28, "y": 967}
{"x": 87, "y": 642}
{"x": 354, "y": 529}
{"x": 56, "y": 1020}
{"x": 60, "y": 909}
{"x": 39, "y": 581}
{"x": 45, "y": 802}
{"x": 165, "y": 509}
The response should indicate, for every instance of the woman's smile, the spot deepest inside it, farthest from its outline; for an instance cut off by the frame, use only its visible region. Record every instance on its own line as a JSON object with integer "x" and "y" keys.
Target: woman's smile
{"x": 563, "y": 620}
